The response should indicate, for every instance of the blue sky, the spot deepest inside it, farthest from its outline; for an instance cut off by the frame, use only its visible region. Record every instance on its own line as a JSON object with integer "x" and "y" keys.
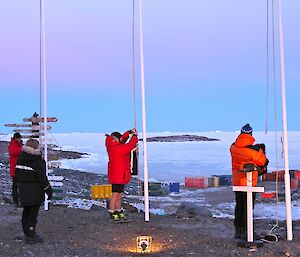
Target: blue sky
{"x": 205, "y": 64}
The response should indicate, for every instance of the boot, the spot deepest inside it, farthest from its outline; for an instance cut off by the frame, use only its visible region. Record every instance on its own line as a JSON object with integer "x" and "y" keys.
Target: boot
{"x": 123, "y": 217}
{"x": 31, "y": 237}
{"x": 114, "y": 216}
{"x": 238, "y": 232}
{"x": 244, "y": 234}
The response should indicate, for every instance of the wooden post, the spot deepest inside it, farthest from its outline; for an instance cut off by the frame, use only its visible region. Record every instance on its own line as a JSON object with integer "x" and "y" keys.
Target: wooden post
{"x": 249, "y": 189}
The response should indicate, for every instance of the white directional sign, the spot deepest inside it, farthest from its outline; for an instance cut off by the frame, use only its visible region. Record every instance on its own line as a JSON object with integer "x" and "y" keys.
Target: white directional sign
{"x": 55, "y": 178}
{"x": 56, "y": 184}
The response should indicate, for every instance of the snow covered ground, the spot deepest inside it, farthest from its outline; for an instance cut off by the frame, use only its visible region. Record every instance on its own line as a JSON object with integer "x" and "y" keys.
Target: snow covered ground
{"x": 175, "y": 161}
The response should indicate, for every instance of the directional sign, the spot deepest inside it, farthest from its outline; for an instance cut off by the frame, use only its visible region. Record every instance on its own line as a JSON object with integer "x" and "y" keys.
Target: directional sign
{"x": 37, "y": 119}
{"x": 17, "y": 125}
{"x": 54, "y": 164}
{"x": 56, "y": 181}
{"x": 28, "y": 131}
{"x": 55, "y": 178}
{"x": 49, "y": 139}
{"x": 14, "y": 125}
{"x": 56, "y": 184}
{"x": 33, "y": 135}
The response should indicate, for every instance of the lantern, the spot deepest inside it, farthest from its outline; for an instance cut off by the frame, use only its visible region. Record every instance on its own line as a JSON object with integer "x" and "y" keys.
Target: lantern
{"x": 143, "y": 244}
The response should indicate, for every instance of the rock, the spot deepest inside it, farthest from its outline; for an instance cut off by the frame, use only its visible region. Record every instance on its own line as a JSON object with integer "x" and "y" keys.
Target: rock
{"x": 96, "y": 207}
{"x": 7, "y": 200}
{"x": 180, "y": 138}
{"x": 190, "y": 210}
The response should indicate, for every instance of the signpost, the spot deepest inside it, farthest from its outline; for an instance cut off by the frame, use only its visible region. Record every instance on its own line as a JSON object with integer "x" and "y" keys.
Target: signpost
{"x": 249, "y": 189}
{"x": 39, "y": 132}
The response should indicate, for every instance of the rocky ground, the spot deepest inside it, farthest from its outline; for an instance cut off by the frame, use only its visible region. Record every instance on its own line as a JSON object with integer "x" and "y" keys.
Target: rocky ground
{"x": 180, "y": 138}
{"x": 75, "y": 232}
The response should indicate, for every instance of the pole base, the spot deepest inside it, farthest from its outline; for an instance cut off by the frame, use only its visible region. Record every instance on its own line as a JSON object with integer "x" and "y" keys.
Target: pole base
{"x": 254, "y": 244}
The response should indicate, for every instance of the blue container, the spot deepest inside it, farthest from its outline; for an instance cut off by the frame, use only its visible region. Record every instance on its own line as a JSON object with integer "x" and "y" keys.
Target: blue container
{"x": 225, "y": 180}
{"x": 174, "y": 187}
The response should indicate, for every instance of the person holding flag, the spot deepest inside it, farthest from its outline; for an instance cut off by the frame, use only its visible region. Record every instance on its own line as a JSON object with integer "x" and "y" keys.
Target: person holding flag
{"x": 119, "y": 172}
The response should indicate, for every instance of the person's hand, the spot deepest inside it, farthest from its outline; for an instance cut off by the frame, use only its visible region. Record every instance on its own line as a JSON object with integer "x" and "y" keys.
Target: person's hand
{"x": 134, "y": 132}
{"x": 49, "y": 192}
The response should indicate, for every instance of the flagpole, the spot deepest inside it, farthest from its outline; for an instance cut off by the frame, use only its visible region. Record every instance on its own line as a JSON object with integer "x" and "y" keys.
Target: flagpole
{"x": 146, "y": 193}
{"x": 285, "y": 131}
{"x": 43, "y": 70}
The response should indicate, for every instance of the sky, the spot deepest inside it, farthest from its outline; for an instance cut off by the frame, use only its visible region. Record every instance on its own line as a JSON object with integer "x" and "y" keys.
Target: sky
{"x": 205, "y": 64}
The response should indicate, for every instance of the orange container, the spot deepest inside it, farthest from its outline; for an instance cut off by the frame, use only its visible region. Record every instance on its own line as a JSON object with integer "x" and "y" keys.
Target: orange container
{"x": 269, "y": 177}
{"x": 268, "y": 195}
{"x": 200, "y": 182}
{"x": 294, "y": 183}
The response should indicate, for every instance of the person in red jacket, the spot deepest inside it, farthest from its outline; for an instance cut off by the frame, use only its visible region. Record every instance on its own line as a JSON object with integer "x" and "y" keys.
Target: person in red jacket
{"x": 14, "y": 150}
{"x": 119, "y": 173}
{"x": 243, "y": 151}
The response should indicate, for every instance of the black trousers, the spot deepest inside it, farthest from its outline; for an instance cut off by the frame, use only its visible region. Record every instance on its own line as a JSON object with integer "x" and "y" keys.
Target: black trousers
{"x": 15, "y": 190}
{"x": 240, "y": 220}
{"x": 29, "y": 219}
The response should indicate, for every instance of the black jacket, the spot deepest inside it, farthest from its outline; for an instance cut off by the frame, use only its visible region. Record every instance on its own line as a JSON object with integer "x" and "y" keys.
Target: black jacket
{"x": 31, "y": 176}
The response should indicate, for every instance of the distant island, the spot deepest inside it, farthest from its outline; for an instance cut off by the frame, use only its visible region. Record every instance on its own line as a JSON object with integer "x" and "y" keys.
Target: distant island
{"x": 55, "y": 154}
{"x": 179, "y": 138}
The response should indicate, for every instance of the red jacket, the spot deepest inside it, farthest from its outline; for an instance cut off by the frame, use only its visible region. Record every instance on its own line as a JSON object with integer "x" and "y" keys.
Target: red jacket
{"x": 119, "y": 158}
{"x": 243, "y": 151}
{"x": 14, "y": 150}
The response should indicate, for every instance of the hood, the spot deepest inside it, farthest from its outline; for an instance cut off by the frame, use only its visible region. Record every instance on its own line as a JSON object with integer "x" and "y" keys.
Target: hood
{"x": 15, "y": 142}
{"x": 30, "y": 150}
{"x": 110, "y": 141}
{"x": 244, "y": 140}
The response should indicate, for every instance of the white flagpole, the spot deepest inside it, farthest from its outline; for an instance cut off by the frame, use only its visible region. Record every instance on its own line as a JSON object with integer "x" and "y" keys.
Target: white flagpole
{"x": 43, "y": 70}
{"x": 285, "y": 134}
{"x": 146, "y": 193}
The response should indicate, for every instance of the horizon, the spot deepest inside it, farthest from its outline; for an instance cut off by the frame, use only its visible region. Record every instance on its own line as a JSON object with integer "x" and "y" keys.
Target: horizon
{"x": 4, "y": 134}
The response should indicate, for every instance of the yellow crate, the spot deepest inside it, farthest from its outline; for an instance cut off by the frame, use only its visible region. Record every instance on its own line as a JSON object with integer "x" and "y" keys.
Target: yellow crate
{"x": 216, "y": 181}
{"x": 101, "y": 191}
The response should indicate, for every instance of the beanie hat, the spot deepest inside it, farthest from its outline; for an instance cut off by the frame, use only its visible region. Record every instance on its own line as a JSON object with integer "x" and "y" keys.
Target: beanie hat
{"x": 116, "y": 134}
{"x": 246, "y": 129}
{"x": 17, "y": 135}
{"x": 32, "y": 143}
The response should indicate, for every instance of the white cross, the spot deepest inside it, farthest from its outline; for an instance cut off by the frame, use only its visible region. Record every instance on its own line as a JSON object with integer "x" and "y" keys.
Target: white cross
{"x": 249, "y": 189}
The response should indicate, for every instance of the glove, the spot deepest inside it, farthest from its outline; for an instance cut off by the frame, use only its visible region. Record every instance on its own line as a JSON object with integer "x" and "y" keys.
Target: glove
{"x": 49, "y": 192}
{"x": 132, "y": 131}
{"x": 263, "y": 171}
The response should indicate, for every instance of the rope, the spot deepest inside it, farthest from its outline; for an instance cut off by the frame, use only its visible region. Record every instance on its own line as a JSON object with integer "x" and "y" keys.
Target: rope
{"x": 41, "y": 52}
{"x": 134, "y": 91}
{"x": 275, "y": 109}
{"x": 58, "y": 145}
{"x": 267, "y": 93}
{"x": 271, "y": 234}
{"x": 133, "y": 63}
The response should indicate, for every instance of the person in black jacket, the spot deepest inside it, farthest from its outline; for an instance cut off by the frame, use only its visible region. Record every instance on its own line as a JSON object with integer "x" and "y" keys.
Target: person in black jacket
{"x": 33, "y": 184}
